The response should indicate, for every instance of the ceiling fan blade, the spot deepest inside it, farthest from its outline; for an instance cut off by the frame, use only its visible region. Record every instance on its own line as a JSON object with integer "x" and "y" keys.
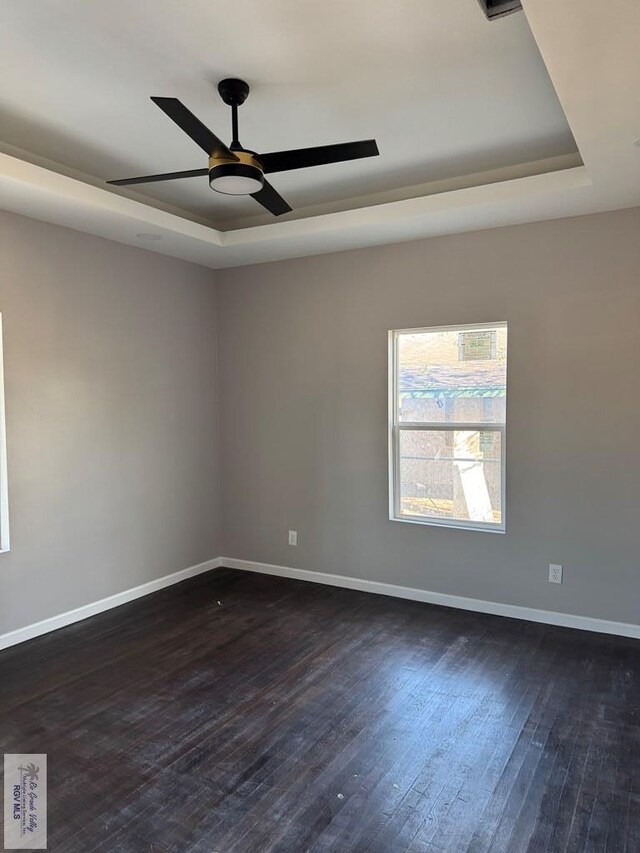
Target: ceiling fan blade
{"x": 302, "y": 158}
{"x": 168, "y": 176}
{"x": 271, "y": 199}
{"x": 193, "y": 127}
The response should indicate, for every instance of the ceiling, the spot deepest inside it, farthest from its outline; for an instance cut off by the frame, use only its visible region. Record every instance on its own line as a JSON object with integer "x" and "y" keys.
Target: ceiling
{"x": 478, "y": 124}
{"x": 442, "y": 91}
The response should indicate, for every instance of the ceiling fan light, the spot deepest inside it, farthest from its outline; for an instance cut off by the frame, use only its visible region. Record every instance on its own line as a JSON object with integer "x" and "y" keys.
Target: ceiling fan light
{"x": 235, "y": 178}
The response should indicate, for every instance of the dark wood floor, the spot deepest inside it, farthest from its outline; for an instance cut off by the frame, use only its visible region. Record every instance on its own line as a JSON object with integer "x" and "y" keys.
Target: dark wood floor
{"x": 242, "y": 714}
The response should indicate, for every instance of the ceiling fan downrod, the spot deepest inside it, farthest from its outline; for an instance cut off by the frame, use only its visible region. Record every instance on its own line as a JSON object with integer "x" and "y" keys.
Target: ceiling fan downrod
{"x": 234, "y": 93}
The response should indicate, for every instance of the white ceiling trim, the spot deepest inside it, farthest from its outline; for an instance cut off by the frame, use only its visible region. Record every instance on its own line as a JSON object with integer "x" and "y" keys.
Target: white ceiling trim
{"x": 41, "y": 193}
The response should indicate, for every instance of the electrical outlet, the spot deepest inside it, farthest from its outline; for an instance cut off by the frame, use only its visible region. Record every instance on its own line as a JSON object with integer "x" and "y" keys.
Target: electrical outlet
{"x": 555, "y": 573}
{"x": 293, "y": 537}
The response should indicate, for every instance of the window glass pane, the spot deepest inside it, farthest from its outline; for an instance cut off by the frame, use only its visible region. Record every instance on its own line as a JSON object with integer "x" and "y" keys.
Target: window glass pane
{"x": 457, "y": 375}
{"x": 451, "y": 474}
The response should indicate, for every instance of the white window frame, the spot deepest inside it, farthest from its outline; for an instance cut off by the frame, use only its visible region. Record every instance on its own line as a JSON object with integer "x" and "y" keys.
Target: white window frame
{"x": 395, "y": 428}
{"x": 4, "y": 482}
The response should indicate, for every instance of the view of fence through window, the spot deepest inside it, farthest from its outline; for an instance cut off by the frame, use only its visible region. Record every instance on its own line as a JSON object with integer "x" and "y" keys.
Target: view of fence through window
{"x": 448, "y": 424}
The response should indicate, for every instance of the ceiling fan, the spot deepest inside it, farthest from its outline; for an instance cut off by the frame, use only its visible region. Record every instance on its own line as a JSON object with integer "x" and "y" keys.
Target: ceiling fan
{"x": 234, "y": 170}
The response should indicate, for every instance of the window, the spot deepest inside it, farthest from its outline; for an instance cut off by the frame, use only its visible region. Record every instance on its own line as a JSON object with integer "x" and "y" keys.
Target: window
{"x": 447, "y": 421}
{"x": 4, "y": 491}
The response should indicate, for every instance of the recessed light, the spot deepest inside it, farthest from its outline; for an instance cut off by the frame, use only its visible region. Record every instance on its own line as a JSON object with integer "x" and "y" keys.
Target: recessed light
{"x": 143, "y": 236}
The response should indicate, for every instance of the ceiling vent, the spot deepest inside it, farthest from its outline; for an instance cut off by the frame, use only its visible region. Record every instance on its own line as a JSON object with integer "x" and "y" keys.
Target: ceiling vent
{"x": 498, "y": 8}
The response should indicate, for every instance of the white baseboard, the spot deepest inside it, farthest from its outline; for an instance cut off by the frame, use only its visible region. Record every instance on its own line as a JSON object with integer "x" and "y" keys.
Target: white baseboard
{"x": 87, "y": 610}
{"x": 530, "y": 614}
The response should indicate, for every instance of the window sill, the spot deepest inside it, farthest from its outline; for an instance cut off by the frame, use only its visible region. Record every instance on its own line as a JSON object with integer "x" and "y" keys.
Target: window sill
{"x": 451, "y": 525}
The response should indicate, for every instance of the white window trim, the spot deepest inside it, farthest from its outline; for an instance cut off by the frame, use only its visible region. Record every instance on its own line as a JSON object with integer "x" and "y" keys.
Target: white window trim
{"x": 394, "y": 429}
{"x": 4, "y": 482}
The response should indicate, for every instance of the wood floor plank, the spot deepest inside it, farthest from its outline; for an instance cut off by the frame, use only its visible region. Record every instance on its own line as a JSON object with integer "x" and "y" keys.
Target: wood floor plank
{"x": 240, "y": 713}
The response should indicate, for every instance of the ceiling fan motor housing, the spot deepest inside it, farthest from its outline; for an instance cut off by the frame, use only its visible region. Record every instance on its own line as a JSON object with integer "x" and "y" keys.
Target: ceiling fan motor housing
{"x": 243, "y": 176}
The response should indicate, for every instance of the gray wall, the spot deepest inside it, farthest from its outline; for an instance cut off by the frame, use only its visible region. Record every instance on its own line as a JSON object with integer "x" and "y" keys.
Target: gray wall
{"x": 112, "y": 408}
{"x": 303, "y": 378}
{"x": 111, "y": 403}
